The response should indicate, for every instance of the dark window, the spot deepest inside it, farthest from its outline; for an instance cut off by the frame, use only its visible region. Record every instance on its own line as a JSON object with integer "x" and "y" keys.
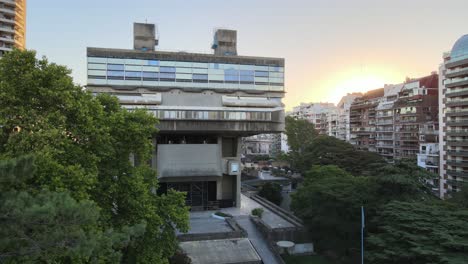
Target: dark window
{"x": 261, "y": 74}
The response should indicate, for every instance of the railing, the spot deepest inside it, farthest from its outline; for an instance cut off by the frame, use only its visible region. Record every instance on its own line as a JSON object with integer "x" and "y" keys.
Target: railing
{"x": 457, "y": 152}
{"x": 455, "y": 80}
{"x": 457, "y": 100}
{"x": 465, "y": 130}
{"x": 449, "y": 71}
{"x": 449, "y": 111}
{"x": 456, "y": 90}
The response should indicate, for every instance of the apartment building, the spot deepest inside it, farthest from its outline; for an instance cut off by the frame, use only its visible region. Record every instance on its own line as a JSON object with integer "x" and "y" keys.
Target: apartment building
{"x": 385, "y": 122}
{"x": 416, "y": 116}
{"x": 318, "y": 114}
{"x": 344, "y": 130}
{"x": 362, "y": 118}
{"x": 205, "y": 104}
{"x": 454, "y": 118}
{"x": 12, "y": 25}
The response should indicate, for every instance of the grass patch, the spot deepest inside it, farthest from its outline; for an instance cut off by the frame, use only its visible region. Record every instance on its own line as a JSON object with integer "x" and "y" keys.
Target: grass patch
{"x": 305, "y": 260}
{"x": 223, "y": 214}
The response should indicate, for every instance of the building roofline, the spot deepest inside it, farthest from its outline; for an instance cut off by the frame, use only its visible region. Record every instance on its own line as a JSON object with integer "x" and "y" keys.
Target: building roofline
{"x": 188, "y": 56}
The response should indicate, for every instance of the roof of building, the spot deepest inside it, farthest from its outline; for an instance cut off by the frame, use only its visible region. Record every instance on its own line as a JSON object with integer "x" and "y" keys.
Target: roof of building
{"x": 221, "y": 251}
{"x": 182, "y": 56}
{"x": 374, "y": 93}
{"x": 460, "y": 48}
{"x": 431, "y": 81}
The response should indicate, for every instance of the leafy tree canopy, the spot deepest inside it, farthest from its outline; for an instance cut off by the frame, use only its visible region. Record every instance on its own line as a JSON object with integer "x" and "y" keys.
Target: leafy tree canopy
{"x": 272, "y": 192}
{"x": 419, "y": 233}
{"x": 82, "y": 146}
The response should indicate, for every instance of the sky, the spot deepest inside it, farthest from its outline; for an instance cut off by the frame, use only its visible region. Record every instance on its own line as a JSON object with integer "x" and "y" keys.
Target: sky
{"x": 331, "y": 47}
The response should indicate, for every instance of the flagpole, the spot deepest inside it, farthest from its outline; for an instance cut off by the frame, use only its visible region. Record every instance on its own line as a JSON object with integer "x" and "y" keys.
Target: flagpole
{"x": 362, "y": 234}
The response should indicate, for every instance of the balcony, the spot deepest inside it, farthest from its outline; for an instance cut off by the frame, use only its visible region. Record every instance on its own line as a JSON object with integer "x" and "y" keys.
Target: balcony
{"x": 384, "y": 138}
{"x": 407, "y": 139}
{"x": 457, "y": 102}
{"x": 456, "y": 82}
{"x": 6, "y": 10}
{"x": 463, "y": 122}
{"x": 455, "y": 173}
{"x": 453, "y": 182}
{"x": 457, "y": 142}
{"x": 7, "y": 40}
{"x": 458, "y": 153}
{"x": 458, "y": 163}
{"x": 7, "y": 29}
{"x": 457, "y": 92}
{"x": 456, "y": 73}
{"x": 457, "y": 132}
{"x": 463, "y": 112}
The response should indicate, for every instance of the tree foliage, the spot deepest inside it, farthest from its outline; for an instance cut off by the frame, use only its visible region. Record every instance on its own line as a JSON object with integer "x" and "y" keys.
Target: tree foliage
{"x": 82, "y": 146}
{"x": 44, "y": 226}
{"x": 308, "y": 149}
{"x": 419, "y": 233}
{"x": 330, "y": 200}
{"x": 329, "y": 203}
{"x": 272, "y": 192}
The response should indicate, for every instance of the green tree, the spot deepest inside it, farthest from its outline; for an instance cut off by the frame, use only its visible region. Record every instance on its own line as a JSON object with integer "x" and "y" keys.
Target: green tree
{"x": 272, "y": 192}
{"x": 300, "y": 134}
{"x": 329, "y": 203}
{"x": 326, "y": 150}
{"x": 330, "y": 199}
{"x": 44, "y": 226}
{"x": 82, "y": 146}
{"x": 419, "y": 233}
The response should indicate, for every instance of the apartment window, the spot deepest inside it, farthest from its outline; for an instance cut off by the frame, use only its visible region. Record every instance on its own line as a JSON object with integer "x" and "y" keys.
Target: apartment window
{"x": 261, "y": 74}
{"x": 132, "y": 75}
{"x": 115, "y": 67}
{"x": 150, "y": 76}
{"x": 115, "y": 75}
{"x": 167, "y": 69}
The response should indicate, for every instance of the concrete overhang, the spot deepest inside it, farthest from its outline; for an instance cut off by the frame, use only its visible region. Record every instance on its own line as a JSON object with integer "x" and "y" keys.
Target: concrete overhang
{"x": 243, "y": 101}
{"x": 140, "y": 99}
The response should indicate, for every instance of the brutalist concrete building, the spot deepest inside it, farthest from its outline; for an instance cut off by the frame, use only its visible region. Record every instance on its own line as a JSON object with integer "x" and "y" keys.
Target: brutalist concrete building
{"x": 205, "y": 104}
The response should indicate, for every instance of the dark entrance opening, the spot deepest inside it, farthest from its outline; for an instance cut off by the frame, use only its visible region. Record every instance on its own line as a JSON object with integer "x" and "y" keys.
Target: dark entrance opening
{"x": 200, "y": 195}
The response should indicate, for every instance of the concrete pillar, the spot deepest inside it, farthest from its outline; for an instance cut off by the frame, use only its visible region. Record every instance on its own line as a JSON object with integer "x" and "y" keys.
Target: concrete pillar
{"x": 238, "y": 176}
{"x": 219, "y": 182}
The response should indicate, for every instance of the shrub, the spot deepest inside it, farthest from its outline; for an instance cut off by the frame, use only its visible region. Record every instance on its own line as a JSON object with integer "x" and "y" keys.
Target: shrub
{"x": 257, "y": 212}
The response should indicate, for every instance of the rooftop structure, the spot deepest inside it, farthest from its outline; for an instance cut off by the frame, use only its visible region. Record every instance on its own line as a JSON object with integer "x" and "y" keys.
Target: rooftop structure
{"x": 12, "y": 25}
{"x": 205, "y": 104}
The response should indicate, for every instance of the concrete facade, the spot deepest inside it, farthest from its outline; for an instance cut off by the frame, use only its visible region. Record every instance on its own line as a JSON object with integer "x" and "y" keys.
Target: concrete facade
{"x": 453, "y": 116}
{"x": 205, "y": 104}
{"x": 12, "y": 25}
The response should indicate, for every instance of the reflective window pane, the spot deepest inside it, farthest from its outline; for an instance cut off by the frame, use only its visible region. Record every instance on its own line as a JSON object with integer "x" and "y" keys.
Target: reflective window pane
{"x": 167, "y": 69}
{"x": 115, "y": 73}
{"x": 115, "y": 67}
{"x": 132, "y": 74}
{"x": 153, "y": 62}
{"x": 261, "y": 74}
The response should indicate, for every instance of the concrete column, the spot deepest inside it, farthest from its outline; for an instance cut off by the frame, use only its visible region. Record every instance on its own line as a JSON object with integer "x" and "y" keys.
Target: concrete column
{"x": 219, "y": 182}
{"x": 238, "y": 176}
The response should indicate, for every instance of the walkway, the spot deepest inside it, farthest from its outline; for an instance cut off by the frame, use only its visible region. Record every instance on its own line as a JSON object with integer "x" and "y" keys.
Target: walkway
{"x": 257, "y": 240}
